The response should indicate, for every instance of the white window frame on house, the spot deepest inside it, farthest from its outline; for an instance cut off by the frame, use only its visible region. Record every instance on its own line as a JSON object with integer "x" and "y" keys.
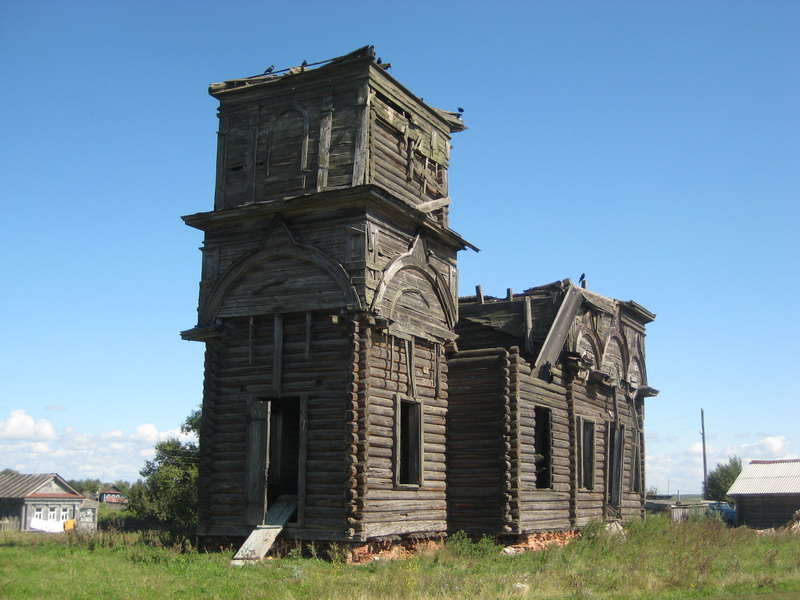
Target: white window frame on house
{"x": 65, "y": 513}
{"x": 38, "y": 512}
{"x": 52, "y": 512}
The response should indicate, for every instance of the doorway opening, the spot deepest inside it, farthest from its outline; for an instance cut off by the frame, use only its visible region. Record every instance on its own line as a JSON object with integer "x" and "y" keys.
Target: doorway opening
{"x": 284, "y": 449}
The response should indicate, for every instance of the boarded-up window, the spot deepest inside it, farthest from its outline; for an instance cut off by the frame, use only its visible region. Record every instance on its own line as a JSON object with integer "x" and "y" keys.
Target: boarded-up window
{"x": 543, "y": 447}
{"x": 288, "y": 146}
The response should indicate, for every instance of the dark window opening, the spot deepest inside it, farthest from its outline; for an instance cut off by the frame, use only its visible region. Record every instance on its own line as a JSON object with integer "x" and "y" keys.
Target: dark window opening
{"x": 587, "y": 455}
{"x": 393, "y": 105}
{"x": 543, "y": 447}
{"x": 636, "y": 483}
{"x": 616, "y": 458}
{"x": 410, "y": 439}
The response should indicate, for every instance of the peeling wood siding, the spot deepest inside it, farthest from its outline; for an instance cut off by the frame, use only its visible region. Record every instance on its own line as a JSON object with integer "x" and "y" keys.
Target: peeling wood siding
{"x": 274, "y": 146}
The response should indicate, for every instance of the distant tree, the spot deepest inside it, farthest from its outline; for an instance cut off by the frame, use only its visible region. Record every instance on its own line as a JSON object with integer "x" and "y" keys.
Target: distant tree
{"x": 123, "y": 486}
{"x": 167, "y": 492}
{"x": 9, "y": 472}
{"x": 192, "y": 422}
{"x": 721, "y": 479}
{"x": 87, "y": 487}
{"x": 653, "y": 491}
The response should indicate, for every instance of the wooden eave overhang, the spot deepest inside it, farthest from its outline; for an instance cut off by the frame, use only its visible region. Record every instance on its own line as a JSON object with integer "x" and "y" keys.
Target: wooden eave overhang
{"x": 362, "y": 195}
{"x": 647, "y": 392}
{"x": 54, "y": 495}
{"x": 361, "y": 60}
{"x": 202, "y": 334}
{"x": 638, "y": 312}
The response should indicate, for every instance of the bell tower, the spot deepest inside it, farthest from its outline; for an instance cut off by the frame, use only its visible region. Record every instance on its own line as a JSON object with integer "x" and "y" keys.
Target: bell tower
{"x": 328, "y": 296}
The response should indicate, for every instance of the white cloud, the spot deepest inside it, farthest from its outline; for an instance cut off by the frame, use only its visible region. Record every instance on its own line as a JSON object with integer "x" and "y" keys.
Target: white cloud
{"x": 21, "y": 426}
{"x": 770, "y": 447}
{"x": 33, "y": 446}
{"x": 145, "y": 433}
{"x": 682, "y": 469}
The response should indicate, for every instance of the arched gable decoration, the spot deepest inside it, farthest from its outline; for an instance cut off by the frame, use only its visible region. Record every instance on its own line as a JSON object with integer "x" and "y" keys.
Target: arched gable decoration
{"x": 612, "y": 337}
{"x": 280, "y": 246}
{"x": 401, "y": 285}
{"x": 588, "y": 344}
{"x": 636, "y": 375}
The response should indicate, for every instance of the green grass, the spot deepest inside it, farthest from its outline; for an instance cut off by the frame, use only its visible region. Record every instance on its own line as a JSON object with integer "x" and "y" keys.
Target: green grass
{"x": 655, "y": 560}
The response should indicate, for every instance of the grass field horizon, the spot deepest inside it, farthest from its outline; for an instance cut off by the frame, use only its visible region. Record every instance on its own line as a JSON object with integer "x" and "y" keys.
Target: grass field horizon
{"x": 654, "y": 560}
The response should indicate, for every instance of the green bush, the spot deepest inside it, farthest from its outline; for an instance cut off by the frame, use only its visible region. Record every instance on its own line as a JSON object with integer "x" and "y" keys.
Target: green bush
{"x": 462, "y": 546}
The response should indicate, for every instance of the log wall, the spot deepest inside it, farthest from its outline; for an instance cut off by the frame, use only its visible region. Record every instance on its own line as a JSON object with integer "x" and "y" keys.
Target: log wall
{"x": 476, "y": 453}
{"x": 315, "y": 356}
{"x": 766, "y": 510}
{"x": 392, "y": 507}
{"x": 542, "y": 508}
{"x": 290, "y": 142}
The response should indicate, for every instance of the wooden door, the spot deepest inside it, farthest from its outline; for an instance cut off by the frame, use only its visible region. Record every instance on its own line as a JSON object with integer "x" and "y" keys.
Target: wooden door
{"x": 257, "y": 467}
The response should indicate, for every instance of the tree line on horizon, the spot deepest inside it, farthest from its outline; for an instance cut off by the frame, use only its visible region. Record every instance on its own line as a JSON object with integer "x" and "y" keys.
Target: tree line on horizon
{"x": 166, "y": 495}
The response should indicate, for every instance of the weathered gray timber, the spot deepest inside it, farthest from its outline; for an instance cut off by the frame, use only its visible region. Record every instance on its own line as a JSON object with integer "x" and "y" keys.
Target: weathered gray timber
{"x": 263, "y": 536}
{"x": 328, "y": 296}
{"x": 338, "y": 370}
{"x": 546, "y": 411}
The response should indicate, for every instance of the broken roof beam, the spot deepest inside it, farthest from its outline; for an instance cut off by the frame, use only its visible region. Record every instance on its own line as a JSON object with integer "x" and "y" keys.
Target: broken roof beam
{"x": 554, "y": 342}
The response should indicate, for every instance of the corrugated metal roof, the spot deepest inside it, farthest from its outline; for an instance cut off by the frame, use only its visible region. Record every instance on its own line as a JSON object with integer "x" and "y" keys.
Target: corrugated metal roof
{"x": 17, "y": 485}
{"x": 768, "y": 477}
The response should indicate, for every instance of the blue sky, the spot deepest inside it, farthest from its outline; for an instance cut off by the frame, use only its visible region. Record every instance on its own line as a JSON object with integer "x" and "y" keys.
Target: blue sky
{"x": 654, "y": 146}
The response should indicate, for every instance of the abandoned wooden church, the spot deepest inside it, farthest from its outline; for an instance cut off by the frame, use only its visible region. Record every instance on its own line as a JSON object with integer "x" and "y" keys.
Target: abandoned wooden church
{"x": 350, "y": 394}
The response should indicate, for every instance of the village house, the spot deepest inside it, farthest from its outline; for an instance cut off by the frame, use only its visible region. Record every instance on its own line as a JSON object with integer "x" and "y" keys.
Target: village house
{"x": 44, "y": 502}
{"x": 113, "y": 497}
{"x": 349, "y": 393}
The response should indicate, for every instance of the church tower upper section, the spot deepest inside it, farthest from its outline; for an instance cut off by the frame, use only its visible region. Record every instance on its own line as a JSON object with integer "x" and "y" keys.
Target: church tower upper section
{"x": 340, "y": 124}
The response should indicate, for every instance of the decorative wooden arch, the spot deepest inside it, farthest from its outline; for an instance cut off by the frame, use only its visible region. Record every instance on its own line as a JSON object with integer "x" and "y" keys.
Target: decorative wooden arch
{"x": 416, "y": 260}
{"x": 585, "y": 332}
{"x": 613, "y": 334}
{"x": 278, "y": 243}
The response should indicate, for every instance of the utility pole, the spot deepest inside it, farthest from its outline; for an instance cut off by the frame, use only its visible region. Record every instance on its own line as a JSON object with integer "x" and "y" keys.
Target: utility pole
{"x": 703, "y": 435}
